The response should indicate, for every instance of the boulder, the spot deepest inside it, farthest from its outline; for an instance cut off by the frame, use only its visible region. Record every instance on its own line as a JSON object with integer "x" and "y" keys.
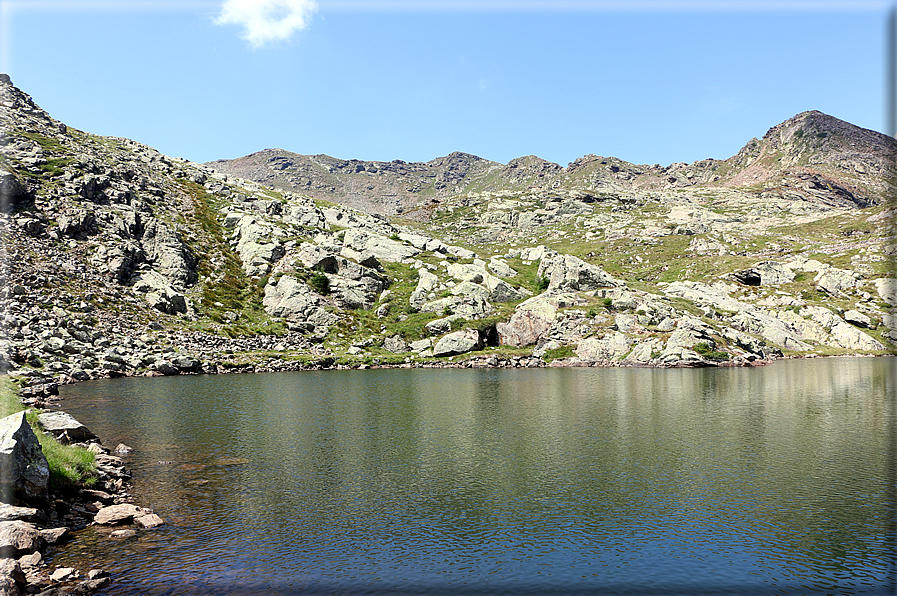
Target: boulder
{"x": 352, "y": 294}
{"x": 572, "y": 273}
{"x": 19, "y": 538}
{"x": 611, "y": 347}
{"x": 855, "y": 317}
{"x": 395, "y": 344}
{"x": 168, "y": 253}
{"x": 765, "y": 273}
{"x": 458, "y": 342}
{"x": 11, "y": 512}
{"x": 114, "y": 515}
{"x": 468, "y": 306}
{"x": 24, "y": 471}
{"x": 887, "y": 289}
{"x": 65, "y": 428}
{"x": 849, "y": 337}
{"x": 443, "y": 325}
{"x": 426, "y": 283}
{"x": 293, "y": 300}
{"x": 148, "y": 521}
{"x": 159, "y": 292}
{"x": 501, "y": 291}
{"x": 533, "y": 318}
{"x": 12, "y": 578}
{"x": 77, "y": 223}
{"x": 467, "y": 288}
{"x": 500, "y": 267}
{"x": 835, "y": 281}
{"x": 381, "y": 247}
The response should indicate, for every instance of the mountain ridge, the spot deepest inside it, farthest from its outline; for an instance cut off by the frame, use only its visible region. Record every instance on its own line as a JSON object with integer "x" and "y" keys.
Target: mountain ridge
{"x": 394, "y": 187}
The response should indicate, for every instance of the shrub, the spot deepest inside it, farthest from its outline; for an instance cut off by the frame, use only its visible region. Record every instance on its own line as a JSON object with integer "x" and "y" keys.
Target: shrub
{"x": 319, "y": 283}
{"x": 542, "y": 283}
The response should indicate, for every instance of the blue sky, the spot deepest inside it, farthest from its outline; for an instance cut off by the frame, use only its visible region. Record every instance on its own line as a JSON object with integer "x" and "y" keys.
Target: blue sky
{"x": 645, "y": 81}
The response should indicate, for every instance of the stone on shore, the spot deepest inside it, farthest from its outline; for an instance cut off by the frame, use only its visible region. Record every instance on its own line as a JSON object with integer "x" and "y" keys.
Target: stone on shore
{"x": 24, "y": 471}
{"x": 12, "y": 578}
{"x": 117, "y": 514}
{"x": 19, "y": 538}
{"x": 458, "y": 342}
{"x": 149, "y": 521}
{"x": 65, "y": 428}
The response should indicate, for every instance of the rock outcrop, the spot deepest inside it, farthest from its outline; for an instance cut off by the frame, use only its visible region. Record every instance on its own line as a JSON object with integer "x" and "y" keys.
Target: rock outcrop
{"x": 24, "y": 471}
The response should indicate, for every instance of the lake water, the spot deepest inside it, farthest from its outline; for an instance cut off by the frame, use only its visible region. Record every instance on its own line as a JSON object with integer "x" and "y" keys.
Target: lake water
{"x": 773, "y": 480}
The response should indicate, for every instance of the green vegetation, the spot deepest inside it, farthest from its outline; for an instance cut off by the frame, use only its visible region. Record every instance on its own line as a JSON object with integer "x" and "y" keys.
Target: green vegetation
{"x": 704, "y": 349}
{"x": 71, "y": 467}
{"x": 559, "y": 353}
{"x": 227, "y": 297}
{"x": 320, "y": 283}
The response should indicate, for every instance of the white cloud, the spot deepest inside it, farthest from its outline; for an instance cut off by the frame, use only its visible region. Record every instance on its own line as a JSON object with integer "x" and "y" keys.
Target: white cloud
{"x": 265, "y": 21}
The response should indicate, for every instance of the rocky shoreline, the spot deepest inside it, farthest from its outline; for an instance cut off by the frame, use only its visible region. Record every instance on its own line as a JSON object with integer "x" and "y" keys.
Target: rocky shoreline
{"x": 39, "y": 517}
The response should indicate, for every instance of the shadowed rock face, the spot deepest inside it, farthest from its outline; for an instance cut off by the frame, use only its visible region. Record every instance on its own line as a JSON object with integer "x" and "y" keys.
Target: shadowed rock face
{"x": 24, "y": 471}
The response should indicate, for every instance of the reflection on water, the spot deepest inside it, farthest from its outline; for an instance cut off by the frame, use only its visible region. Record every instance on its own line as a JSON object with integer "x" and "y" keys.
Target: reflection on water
{"x": 712, "y": 481}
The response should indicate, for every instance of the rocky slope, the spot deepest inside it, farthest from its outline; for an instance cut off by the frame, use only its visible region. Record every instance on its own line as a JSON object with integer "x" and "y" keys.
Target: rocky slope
{"x": 122, "y": 261}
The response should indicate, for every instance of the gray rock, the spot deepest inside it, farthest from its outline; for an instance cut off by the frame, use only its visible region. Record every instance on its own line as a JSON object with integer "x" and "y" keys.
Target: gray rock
{"x": 468, "y": 306}
{"x": 159, "y": 293}
{"x": 611, "y": 347}
{"x": 294, "y": 300}
{"x": 849, "y": 337}
{"x": 765, "y": 273}
{"x": 835, "y": 281}
{"x": 568, "y": 272}
{"x": 887, "y": 289}
{"x": 63, "y": 573}
{"x": 168, "y": 253}
{"x": 54, "y": 535}
{"x": 23, "y": 468}
{"x": 11, "y": 512}
{"x": 117, "y": 514}
{"x": 77, "y": 223}
{"x": 13, "y": 193}
{"x": 12, "y": 578}
{"x": 65, "y": 428}
{"x": 855, "y": 317}
{"x": 442, "y": 325}
{"x": 533, "y": 318}
{"x": 351, "y": 294}
{"x": 381, "y": 247}
{"x": 421, "y": 345}
{"x": 426, "y": 283}
{"x": 19, "y": 538}
{"x": 149, "y": 521}
{"x": 458, "y": 342}
{"x": 395, "y": 344}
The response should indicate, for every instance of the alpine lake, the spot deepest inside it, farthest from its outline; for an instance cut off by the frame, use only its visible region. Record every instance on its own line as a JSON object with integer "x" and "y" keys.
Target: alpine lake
{"x": 769, "y": 480}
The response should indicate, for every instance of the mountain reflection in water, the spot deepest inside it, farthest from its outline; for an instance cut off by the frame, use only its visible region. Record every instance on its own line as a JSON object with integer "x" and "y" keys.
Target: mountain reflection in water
{"x": 777, "y": 480}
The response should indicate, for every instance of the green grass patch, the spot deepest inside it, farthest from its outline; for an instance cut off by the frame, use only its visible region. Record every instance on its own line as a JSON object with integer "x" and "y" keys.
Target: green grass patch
{"x": 559, "y": 353}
